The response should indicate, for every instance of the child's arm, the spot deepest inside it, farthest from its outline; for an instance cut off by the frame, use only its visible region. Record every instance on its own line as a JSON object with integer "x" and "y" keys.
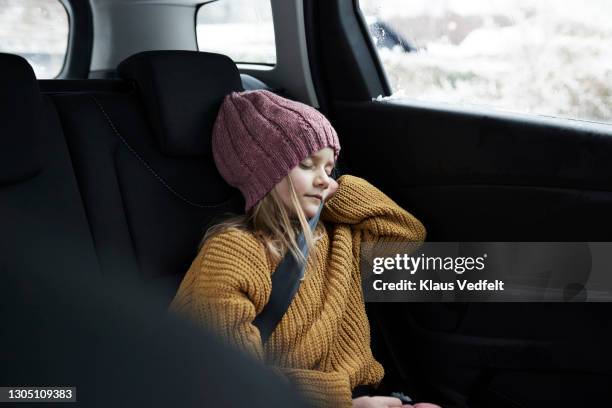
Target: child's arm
{"x": 221, "y": 289}
{"x": 322, "y": 389}
{"x": 367, "y": 209}
{"x": 224, "y": 290}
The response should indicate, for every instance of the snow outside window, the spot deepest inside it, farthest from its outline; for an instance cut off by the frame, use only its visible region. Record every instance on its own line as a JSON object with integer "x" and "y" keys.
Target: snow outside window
{"x": 240, "y": 29}
{"x": 531, "y": 56}
{"x": 38, "y": 31}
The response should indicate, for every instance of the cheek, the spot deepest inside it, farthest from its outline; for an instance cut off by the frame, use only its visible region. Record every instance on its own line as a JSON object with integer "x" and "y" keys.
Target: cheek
{"x": 300, "y": 183}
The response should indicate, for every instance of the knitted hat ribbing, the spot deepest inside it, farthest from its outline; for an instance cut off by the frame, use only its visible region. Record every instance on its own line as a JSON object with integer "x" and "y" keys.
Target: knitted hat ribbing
{"x": 258, "y": 137}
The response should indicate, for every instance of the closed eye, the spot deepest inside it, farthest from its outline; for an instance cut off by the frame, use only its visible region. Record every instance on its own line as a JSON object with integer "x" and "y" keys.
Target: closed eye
{"x": 307, "y": 166}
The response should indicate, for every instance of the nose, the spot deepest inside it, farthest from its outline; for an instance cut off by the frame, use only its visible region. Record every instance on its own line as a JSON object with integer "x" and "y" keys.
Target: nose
{"x": 321, "y": 180}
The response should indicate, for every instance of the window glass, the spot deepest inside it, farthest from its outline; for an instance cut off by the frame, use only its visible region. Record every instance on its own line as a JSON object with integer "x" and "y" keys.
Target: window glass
{"x": 530, "y": 56}
{"x": 240, "y": 29}
{"x": 38, "y": 31}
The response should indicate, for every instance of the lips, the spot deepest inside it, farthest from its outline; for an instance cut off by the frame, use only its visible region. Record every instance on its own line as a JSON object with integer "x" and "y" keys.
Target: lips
{"x": 316, "y": 196}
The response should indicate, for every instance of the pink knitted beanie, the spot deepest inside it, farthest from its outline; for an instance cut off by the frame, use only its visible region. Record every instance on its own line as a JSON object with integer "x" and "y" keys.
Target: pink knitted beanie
{"x": 258, "y": 137}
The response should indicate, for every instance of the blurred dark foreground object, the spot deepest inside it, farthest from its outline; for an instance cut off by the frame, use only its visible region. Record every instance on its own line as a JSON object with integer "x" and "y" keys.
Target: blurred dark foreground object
{"x": 119, "y": 348}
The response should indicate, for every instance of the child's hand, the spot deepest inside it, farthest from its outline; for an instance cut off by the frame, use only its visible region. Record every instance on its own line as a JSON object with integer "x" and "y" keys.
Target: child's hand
{"x": 376, "y": 402}
{"x": 331, "y": 190}
{"x": 384, "y": 402}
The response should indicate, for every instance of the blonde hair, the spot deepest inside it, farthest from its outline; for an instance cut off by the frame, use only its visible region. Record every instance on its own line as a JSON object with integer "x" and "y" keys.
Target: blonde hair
{"x": 275, "y": 227}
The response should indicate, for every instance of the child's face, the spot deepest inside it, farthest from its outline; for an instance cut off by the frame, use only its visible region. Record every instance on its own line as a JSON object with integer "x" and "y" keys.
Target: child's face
{"x": 310, "y": 178}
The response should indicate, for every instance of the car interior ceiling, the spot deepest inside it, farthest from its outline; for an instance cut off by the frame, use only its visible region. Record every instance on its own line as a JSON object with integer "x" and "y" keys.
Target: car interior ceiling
{"x": 113, "y": 177}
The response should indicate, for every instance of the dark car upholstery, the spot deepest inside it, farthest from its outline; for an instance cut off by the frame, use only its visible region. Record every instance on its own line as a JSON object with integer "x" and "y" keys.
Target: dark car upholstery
{"x": 87, "y": 191}
{"x": 42, "y": 222}
{"x": 143, "y": 162}
{"x": 127, "y": 184}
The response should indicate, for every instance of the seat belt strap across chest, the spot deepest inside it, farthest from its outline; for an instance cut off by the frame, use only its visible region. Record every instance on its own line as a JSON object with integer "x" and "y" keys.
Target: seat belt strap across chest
{"x": 286, "y": 281}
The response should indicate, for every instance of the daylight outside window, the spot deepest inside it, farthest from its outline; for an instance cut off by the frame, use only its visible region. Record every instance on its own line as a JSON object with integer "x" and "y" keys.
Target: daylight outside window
{"x": 240, "y": 29}
{"x": 38, "y": 31}
{"x": 530, "y": 56}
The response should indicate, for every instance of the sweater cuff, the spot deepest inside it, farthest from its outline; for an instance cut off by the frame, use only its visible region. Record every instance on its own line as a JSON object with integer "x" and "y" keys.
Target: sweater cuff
{"x": 355, "y": 200}
{"x": 322, "y": 389}
{"x": 361, "y": 205}
{"x": 333, "y": 207}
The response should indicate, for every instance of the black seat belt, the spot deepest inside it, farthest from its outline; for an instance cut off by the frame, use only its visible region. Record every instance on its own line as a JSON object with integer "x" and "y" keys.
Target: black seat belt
{"x": 286, "y": 281}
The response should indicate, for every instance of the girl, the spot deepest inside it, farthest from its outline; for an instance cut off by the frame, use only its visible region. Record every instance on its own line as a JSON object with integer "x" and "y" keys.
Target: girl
{"x": 281, "y": 155}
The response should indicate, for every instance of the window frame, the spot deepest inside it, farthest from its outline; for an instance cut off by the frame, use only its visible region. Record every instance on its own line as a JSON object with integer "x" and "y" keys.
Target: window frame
{"x": 77, "y": 59}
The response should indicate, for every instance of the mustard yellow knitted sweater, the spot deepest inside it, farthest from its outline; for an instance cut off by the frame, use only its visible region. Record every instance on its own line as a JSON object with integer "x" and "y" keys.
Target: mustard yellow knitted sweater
{"x": 322, "y": 344}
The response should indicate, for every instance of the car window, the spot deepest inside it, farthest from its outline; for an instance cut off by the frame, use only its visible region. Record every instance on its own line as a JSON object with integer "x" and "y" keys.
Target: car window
{"x": 241, "y": 29}
{"x": 38, "y": 31}
{"x": 528, "y": 56}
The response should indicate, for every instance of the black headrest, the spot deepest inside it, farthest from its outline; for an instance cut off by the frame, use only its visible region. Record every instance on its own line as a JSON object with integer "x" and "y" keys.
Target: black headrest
{"x": 182, "y": 92}
{"x": 20, "y": 109}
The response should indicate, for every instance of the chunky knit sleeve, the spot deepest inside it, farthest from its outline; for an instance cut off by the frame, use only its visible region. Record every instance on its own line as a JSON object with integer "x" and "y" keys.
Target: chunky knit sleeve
{"x": 369, "y": 210}
{"x": 322, "y": 389}
{"x": 226, "y": 286}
